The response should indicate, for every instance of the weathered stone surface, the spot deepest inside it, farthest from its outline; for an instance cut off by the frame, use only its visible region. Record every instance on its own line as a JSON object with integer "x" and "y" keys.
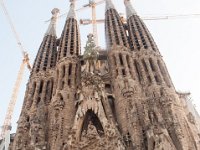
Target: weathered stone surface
{"x": 119, "y": 99}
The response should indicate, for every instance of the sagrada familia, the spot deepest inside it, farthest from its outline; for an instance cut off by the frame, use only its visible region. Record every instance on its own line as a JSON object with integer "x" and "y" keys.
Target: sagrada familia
{"x": 121, "y": 98}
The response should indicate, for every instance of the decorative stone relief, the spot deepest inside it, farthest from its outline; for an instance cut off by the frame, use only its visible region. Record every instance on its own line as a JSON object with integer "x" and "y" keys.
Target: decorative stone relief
{"x": 37, "y": 133}
{"x": 159, "y": 139}
{"x": 191, "y": 118}
{"x": 58, "y": 103}
{"x": 128, "y": 89}
{"x": 166, "y": 97}
{"x": 90, "y": 139}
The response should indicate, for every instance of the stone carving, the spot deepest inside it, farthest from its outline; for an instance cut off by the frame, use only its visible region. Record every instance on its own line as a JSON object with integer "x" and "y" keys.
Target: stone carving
{"x": 104, "y": 69}
{"x": 22, "y": 134}
{"x": 166, "y": 98}
{"x": 159, "y": 139}
{"x": 191, "y": 118}
{"x": 59, "y": 103}
{"x": 91, "y": 132}
{"x": 89, "y": 97}
{"x": 19, "y": 142}
{"x": 128, "y": 91}
{"x": 131, "y": 65}
{"x": 24, "y": 123}
{"x": 153, "y": 118}
{"x": 178, "y": 130}
{"x": 90, "y": 139}
{"x": 37, "y": 133}
{"x": 89, "y": 94}
{"x": 127, "y": 140}
{"x": 110, "y": 130}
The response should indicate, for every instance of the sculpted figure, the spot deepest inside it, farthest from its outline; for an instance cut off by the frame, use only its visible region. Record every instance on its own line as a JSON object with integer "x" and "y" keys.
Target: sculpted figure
{"x": 191, "y": 118}
{"x": 104, "y": 68}
{"x": 80, "y": 95}
{"x": 19, "y": 143}
{"x": 59, "y": 103}
{"x": 37, "y": 133}
{"x": 159, "y": 139}
{"x": 153, "y": 117}
{"x": 91, "y": 131}
{"x": 109, "y": 130}
{"x": 127, "y": 139}
{"x": 163, "y": 141}
{"x": 120, "y": 145}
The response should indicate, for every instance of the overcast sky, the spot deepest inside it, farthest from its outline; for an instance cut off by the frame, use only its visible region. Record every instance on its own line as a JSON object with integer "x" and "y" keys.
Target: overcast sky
{"x": 178, "y": 40}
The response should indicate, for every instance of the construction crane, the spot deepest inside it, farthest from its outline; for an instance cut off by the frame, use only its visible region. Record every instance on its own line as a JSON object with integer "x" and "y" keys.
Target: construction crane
{"x": 166, "y": 17}
{"x": 92, "y": 4}
{"x": 25, "y": 62}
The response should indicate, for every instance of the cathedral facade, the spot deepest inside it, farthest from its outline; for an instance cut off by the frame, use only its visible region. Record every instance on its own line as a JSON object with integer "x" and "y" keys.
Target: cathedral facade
{"x": 121, "y": 98}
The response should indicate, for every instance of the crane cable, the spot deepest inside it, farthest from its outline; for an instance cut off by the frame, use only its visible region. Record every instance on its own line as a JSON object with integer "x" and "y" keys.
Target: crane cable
{"x": 167, "y": 17}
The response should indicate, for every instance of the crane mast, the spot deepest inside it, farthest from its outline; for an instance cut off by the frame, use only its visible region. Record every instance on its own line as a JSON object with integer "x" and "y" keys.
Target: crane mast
{"x": 25, "y": 62}
{"x": 7, "y": 121}
{"x": 92, "y": 4}
{"x": 94, "y": 23}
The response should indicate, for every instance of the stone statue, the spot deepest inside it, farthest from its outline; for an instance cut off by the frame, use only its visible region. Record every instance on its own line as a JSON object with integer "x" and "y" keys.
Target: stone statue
{"x": 159, "y": 139}
{"x": 127, "y": 139}
{"x": 92, "y": 131}
{"x": 153, "y": 117}
{"x": 19, "y": 142}
{"x": 59, "y": 103}
{"x": 37, "y": 133}
{"x": 191, "y": 118}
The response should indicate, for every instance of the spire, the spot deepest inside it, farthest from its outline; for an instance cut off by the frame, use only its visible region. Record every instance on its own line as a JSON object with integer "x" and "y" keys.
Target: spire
{"x": 115, "y": 31}
{"x": 52, "y": 26}
{"x": 47, "y": 53}
{"x": 70, "y": 39}
{"x": 129, "y": 8}
{"x": 72, "y": 12}
{"x": 109, "y": 5}
{"x": 139, "y": 35}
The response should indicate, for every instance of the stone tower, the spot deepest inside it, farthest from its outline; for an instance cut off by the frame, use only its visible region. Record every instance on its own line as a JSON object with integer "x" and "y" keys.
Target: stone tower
{"x": 121, "y": 98}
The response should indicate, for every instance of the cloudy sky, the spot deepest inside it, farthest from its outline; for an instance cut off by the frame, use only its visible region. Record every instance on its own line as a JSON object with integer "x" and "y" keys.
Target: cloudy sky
{"x": 177, "y": 39}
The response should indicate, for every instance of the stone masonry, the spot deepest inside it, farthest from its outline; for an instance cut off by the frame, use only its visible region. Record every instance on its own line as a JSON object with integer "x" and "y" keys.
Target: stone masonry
{"x": 121, "y": 98}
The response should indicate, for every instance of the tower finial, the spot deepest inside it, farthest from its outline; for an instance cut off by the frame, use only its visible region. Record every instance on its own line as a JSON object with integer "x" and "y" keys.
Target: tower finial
{"x": 109, "y": 5}
{"x": 129, "y": 8}
{"x": 52, "y": 26}
{"x": 72, "y": 13}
